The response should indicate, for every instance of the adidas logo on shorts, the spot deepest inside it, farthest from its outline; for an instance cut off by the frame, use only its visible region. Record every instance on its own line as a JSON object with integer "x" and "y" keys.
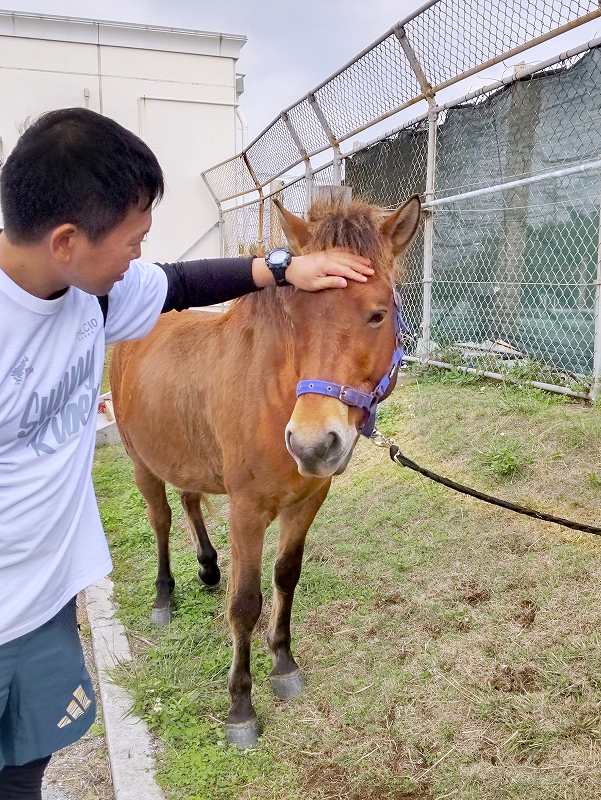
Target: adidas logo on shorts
{"x": 78, "y": 706}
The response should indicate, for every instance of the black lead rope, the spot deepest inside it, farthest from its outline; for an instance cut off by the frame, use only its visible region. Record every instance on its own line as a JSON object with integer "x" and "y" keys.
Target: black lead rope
{"x": 399, "y": 458}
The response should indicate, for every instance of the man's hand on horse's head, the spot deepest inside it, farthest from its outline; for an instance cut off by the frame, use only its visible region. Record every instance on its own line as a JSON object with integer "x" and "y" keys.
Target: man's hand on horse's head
{"x": 330, "y": 269}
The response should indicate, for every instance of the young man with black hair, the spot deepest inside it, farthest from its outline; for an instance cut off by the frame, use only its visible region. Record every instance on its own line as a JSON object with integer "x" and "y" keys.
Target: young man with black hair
{"x": 77, "y": 194}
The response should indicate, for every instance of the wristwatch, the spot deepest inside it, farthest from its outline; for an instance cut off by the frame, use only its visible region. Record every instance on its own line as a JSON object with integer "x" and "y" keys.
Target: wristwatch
{"x": 278, "y": 261}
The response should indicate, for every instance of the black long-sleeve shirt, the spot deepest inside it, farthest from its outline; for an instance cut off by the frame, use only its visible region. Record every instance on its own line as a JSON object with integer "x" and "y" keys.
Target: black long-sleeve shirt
{"x": 206, "y": 282}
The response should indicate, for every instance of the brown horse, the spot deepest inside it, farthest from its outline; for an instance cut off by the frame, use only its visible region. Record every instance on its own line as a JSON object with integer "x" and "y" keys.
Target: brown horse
{"x": 207, "y": 403}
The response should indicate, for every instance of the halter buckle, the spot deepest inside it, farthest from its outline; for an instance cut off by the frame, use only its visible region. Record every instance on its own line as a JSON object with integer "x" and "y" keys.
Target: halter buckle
{"x": 343, "y": 392}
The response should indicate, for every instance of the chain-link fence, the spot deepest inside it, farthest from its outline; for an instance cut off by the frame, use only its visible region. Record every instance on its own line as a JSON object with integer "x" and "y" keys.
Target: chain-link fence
{"x": 505, "y": 277}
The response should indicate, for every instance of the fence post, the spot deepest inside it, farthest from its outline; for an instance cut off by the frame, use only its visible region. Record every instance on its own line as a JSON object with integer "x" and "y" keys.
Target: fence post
{"x": 330, "y": 194}
{"x": 276, "y": 237}
{"x": 304, "y": 155}
{"x": 221, "y": 232}
{"x": 259, "y": 187}
{"x": 424, "y": 83}
{"x": 596, "y": 382}
{"x": 334, "y": 143}
{"x": 337, "y": 167}
{"x": 424, "y": 343}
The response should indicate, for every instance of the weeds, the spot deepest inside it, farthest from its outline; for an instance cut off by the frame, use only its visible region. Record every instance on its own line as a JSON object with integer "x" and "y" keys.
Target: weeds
{"x": 504, "y": 458}
{"x": 594, "y": 480}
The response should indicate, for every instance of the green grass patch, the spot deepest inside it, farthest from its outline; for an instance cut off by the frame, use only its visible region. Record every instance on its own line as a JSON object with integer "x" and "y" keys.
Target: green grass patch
{"x": 105, "y": 385}
{"x": 504, "y": 458}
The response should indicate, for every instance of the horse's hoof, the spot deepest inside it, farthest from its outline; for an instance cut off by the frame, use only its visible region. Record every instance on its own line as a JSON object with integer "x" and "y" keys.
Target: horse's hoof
{"x": 243, "y": 735}
{"x": 287, "y": 687}
{"x": 161, "y": 616}
{"x": 209, "y": 578}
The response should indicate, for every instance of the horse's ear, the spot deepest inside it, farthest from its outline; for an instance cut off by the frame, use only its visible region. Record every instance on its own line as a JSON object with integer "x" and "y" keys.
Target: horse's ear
{"x": 401, "y": 226}
{"x": 295, "y": 228}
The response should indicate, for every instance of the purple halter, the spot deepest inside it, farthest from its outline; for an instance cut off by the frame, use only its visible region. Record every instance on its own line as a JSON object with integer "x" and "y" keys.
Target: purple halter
{"x": 353, "y": 397}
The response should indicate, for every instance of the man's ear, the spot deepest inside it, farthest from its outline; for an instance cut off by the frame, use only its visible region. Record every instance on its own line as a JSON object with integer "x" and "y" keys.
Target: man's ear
{"x": 295, "y": 228}
{"x": 62, "y": 242}
{"x": 402, "y": 225}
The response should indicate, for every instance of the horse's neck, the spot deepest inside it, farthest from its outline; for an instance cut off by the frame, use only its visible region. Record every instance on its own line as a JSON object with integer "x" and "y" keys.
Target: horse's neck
{"x": 259, "y": 336}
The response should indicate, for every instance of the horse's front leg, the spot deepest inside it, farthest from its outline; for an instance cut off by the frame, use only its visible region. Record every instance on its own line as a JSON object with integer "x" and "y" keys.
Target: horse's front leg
{"x": 295, "y": 521}
{"x": 247, "y": 530}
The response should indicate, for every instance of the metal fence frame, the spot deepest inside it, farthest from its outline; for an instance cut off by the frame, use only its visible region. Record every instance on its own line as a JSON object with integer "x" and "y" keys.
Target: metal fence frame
{"x": 255, "y": 185}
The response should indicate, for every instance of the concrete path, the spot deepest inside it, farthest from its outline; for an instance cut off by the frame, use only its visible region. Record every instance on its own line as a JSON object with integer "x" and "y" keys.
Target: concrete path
{"x": 128, "y": 740}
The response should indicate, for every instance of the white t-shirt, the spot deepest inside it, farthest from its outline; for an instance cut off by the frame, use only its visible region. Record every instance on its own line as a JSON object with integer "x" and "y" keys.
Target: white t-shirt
{"x": 51, "y": 357}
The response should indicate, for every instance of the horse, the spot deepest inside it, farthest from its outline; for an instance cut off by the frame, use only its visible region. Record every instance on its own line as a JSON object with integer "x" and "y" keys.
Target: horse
{"x": 209, "y": 403}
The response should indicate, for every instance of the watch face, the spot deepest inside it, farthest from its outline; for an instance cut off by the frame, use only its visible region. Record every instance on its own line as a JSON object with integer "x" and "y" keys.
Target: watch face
{"x": 278, "y": 257}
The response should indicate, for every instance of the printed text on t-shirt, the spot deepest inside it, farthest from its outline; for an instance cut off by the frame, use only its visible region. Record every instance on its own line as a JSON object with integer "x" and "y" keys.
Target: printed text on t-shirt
{"x": 48, "y": 421}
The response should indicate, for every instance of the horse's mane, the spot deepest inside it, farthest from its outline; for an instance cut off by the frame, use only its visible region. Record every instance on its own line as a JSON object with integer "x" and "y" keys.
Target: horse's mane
{"x": 354, "y": 226}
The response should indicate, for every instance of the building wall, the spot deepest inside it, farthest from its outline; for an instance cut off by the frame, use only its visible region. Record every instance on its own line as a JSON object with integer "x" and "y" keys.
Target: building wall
{"x": 175, "y": 89}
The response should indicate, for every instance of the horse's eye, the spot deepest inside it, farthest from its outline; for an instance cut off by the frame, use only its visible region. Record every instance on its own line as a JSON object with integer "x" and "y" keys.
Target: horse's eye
{"x": 376, "y": 319}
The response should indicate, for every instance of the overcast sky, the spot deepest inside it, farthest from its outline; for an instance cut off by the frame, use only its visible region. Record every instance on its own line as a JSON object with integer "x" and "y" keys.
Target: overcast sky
{"x": 292, "y": 44}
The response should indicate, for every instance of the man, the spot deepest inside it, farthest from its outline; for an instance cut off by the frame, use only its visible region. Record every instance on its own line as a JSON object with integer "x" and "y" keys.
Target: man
{"x": 77, "y": 193}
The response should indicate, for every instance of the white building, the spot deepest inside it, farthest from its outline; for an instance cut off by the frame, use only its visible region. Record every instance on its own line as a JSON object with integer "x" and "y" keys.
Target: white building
{"x": 177, "y": 89}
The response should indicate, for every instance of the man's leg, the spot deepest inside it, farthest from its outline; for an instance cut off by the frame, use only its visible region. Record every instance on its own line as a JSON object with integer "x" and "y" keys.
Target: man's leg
{"x": 24, "y": 782}
{"x": 16, "y": 783}
{"x": 50, "y": 702}
{"x": 9, "y": 658}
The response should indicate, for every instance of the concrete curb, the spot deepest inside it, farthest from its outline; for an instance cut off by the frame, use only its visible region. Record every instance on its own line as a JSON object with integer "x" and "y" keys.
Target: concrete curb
{"x": 54, "y": 793}
{"x": 128, "y": 740}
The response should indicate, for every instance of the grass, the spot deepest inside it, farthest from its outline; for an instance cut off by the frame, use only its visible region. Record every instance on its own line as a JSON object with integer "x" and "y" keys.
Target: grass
{"x": 105, "y": 385}
{"x": 504, "y": 458}
{"x": 451, "y": 650}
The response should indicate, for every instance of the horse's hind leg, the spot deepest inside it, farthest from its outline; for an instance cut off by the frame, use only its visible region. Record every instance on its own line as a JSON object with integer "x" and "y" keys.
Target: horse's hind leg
{"x": 295, "y": 521}
{"x": 159, "y": 515}
{"x": 206, "y": 554}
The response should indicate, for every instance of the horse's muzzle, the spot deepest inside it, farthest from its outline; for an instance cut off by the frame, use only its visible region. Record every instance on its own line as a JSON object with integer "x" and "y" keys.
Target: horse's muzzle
{"x": 320, "y": 453}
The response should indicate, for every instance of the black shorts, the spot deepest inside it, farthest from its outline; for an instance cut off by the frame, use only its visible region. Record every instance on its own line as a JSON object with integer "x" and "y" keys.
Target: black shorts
{"x": 46, "y": 697}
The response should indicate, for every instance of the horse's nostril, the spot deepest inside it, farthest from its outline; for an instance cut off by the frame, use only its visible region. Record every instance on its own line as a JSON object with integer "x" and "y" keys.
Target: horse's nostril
{"x": 328, "y": 446}
{"x": 334, "y": 441}
{"x": 293, "y": 444}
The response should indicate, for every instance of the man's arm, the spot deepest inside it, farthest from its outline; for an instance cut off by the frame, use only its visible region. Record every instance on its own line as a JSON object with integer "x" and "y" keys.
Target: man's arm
{"x": 207, "y": 282}
{"x": 216, "y": 280}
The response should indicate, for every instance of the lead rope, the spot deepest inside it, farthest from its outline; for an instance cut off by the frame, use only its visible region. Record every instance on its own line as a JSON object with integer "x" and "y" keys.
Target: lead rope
{"x": 399, "y": 458}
